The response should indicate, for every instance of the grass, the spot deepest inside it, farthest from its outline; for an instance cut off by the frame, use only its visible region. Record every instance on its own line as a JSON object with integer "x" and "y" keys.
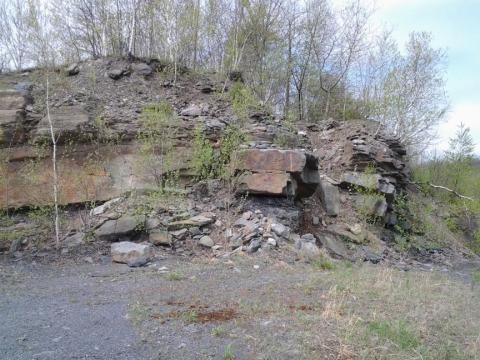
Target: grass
{"x": 190, "y": 316}
{"x": 175, "y": 276}
{"x": 323, "y": 264}
{"x": 228, "y": 353}
{"x": 383, "y": 313}
{"x": 218, "y": 331}
{"x": 138, "y": 313}
{"x": 397, "y": 332}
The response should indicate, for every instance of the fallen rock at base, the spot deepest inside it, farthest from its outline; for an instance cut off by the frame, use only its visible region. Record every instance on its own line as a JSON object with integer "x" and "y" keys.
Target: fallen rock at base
{"x": 306, "y": 247}
{"x": 374, "y": 204}
{"x": 197, "y": 221}
{"x": 114, "y": 230}
{"x": 206, "y": 241}
{"x": 141, "y": 69}
{"x": 333, "y": 245}
{"x": 330, "y": 197}
{"x": 104, "y": 207}
{"x": 116, "y": 73}
{"x": 348, "y": 233}
{"x": 160, "y": 237}
{"x": 278, "y": 172}
{"x": 192, "y": 111}
{"x": 74, "y": 240}
{"x": 280, "y": 230}
{"x": 132, "y": 254}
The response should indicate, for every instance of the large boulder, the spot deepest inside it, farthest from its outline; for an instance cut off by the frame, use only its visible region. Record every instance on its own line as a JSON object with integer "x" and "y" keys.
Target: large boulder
{"x": 278, "y": 172}
{"x": 132, "y": 254}
{"x": 330, "y": 197}
{"x": 268, "y": 183}
{"x": 115, "y": 230}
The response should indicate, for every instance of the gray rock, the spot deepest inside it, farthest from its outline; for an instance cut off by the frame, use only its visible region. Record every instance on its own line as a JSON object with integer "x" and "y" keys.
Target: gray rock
{"x": 141, "y": 69}
{"x": 330, "y": 197}
{"x": 206, "y": 241}
{"x": 254, "y": 246}
{"x": 307, "y": 251}
{"x": 114, "y": 230}
{"x": 74, "y": 240}
{"x": 130, "y": 253}
{"x": 182, "y": 233}
{"x": 198, "y": 221}
{"x": 192, "y": 111}
{"x": 73, "y": 69}
{"x": 315, "y": 220}
{"x": 280, "y": 230}
{"x": 116, "y": 73}
{"x": 333, "y": 245}
{"x": 104, "y": 207}
{"x": 345, "y": 231}
{"x": 308, "y": 238}
{"x": 160, "y": 237}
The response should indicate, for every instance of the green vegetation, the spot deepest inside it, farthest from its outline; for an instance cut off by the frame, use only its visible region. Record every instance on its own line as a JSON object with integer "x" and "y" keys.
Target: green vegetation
{"x": 323, "y": 263}
{"x": 210, "y": 163}
{"x": 398, "y": 332}
{"x": 243, "y": 102}
{"x": 175, "y": 276}
{"x": 159, "y": 124}
{"x": 454, "y": 184}
{"x": 228, "y": 353}
{"x": 218, "y": 331}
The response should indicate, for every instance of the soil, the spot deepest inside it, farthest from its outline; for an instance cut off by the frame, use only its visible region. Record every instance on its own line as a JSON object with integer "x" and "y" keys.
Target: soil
{"x": 248, "y": 306}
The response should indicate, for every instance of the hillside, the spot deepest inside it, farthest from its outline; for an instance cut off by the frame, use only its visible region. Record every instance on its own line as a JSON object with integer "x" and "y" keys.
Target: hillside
{"x": 195, "y": 223}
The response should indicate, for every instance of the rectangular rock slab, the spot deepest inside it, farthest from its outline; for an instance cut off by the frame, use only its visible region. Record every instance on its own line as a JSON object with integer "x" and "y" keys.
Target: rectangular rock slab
{"x": 268, "y": 183}
{"x": 270, "y": 160}
{"x": 330, "y": 197}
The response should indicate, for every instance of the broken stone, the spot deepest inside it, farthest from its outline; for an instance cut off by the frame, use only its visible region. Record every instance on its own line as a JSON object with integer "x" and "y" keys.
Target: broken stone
{"x": 278, "y": 172}
{"x": 74, "y": 240}
{"x": 330, "y": 197}
{"x": 160, "y": 237}
{"x": 141, "y": 69}
{"x": 280, "y": 230}
{"x": 114, "y": 230}
{"x": 344, "y": 232}
{"x": 192, "y": 111}
{"x": 268, "y": 183}
{"x": 104, "y": 207}
{"x": 254, "y": 246}
{"x": 116, "y": 73}
{"x": 182, "y": 233}
{"x": 132, "y": 254}
{"x": 333, "y": 245}
{"x": 198, "y": 221}
{"x": 306, "y": 248}
{"x": 206, "y": 241}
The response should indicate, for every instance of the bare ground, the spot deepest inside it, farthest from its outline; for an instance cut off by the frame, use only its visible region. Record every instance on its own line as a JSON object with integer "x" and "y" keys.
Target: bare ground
{"x": 239, "y": 308}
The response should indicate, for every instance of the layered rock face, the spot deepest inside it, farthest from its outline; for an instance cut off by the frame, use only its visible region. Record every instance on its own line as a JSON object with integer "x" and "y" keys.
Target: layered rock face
{"x": 96, "y": 110}
{"x": 275, "y": 172}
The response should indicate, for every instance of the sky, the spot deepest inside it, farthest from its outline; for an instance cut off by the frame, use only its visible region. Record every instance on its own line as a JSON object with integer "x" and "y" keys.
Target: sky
{"x": 455, "y": 26}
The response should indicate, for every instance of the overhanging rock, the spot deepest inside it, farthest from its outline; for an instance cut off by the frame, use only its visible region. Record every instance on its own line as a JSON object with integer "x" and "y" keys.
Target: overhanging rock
{"x": 278, "y": 172}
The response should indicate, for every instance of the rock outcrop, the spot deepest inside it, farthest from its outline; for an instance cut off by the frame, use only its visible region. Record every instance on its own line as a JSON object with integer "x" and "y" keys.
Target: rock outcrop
{"x": 274, "y": 172}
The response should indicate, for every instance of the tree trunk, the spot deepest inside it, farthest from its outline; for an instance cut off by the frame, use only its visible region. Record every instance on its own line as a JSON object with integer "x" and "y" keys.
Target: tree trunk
{"x": 54, "y": 166}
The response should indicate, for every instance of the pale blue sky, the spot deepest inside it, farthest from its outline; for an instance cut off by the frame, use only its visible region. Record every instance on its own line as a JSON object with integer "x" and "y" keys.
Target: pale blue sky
{"x": 455, "y": 26}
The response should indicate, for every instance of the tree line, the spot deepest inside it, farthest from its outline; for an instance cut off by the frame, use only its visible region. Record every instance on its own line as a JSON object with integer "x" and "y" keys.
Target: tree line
{"x": 307, "y": 60}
